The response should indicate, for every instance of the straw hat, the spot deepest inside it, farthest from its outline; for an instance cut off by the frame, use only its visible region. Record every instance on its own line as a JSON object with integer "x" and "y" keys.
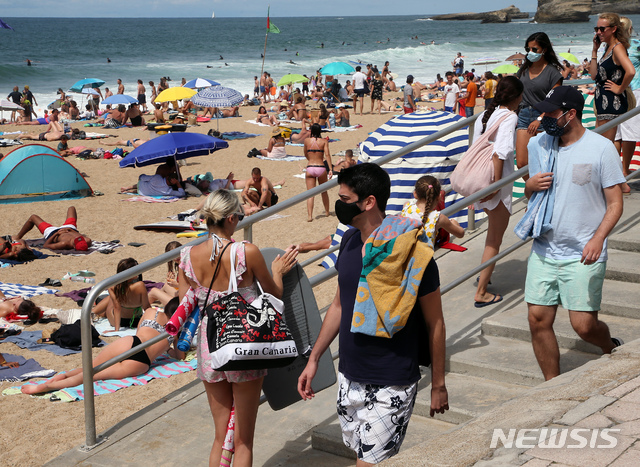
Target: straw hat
{"x": 284, "y": 104}
{"x": 180, "y": 115}
{"x": 276, "y": 131}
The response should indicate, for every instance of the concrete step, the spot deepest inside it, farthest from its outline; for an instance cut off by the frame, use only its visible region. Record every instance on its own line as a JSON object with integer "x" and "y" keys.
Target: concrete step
{"x": 623, "y": 266}
{"x": 620, "y": 299}
{"x": 329, "y": 437}
{"x": 506, "y": 360}
{"x": 513, "y": 323}
{"x": 626, "y": 235}
{"x": 468, "y": 396}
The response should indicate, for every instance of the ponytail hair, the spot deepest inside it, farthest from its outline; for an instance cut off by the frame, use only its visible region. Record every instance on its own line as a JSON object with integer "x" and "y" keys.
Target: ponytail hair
{"x": 508, "y": 89}
{"x": 427, "y": 189}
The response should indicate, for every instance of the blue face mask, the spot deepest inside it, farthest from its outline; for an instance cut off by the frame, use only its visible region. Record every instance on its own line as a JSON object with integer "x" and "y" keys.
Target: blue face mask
{"x": 533, "y": 57}
{"x": 551, "y": 126}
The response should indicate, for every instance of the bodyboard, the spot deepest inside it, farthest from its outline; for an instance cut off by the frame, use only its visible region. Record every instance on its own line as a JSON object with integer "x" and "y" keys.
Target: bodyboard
{"x": 303, "y": 319}
{"x": 170, "y": 226}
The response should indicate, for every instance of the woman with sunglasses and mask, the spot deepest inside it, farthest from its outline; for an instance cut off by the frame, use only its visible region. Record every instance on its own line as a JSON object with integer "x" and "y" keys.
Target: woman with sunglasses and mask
{"x": 222, "y": 212}
{"x": 539, "y": 73}
{"x": 613, "y": 72}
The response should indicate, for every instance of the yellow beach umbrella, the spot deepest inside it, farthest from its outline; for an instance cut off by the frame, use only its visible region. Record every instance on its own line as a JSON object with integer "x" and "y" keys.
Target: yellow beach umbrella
{"x": 570, "y": 57}
{"x": 175, "y": 93}
{"x": 505, "y": 69}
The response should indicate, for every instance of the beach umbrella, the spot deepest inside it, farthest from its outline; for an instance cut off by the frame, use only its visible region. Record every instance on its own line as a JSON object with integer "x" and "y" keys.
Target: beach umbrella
{"x": 8, "y": 105}
{"x": 569, "y": 57}
{"x": 200, "y": 83}
{"x": 120, "y": 99}
{"x": 86, "y": 83}
{"x": 179, "y": 145}
{"x": 175, "y": 93}
{"x": 91, "y": 91}
{"x": 337, "y": 68}
{"x": 4, "y": 25}
{"x": 517, "y": 56}
{"x": 438, "y": 158}
{"x": 217, "y": 96}
{"x": 292, "y": 78}
{"x": 487, "y": 61}
{"x": 506, "y": 69}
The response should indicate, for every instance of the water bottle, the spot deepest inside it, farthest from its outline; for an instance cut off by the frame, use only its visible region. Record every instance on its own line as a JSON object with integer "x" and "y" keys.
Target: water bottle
{"x": 189, "y": 330}
{"x": 88, "y": 280}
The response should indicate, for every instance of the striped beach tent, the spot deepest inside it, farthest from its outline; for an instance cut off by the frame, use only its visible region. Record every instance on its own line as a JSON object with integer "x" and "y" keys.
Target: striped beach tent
{"x": 438, "y": 158}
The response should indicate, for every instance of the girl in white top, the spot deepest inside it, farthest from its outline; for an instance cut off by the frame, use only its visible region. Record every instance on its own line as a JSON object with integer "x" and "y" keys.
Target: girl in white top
{"x": 422, "y": 207}
{"x": 498, "y": 205}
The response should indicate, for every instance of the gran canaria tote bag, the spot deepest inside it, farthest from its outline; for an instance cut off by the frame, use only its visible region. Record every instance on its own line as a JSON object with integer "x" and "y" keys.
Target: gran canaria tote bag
{"x": 247, "y": 336}
{"x": 475, "y": 171}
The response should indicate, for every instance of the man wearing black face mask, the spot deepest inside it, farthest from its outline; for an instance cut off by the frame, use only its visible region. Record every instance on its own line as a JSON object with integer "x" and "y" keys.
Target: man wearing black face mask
{"x": 583, "y": 175}
{"x": 378, "y": 376}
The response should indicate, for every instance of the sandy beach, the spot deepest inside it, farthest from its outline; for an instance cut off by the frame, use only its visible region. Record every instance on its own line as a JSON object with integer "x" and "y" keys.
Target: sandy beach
{"x": 59, "y": 426}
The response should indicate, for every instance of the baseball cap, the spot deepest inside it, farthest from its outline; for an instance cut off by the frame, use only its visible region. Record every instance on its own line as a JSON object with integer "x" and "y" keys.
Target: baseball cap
{"x": 566, "y": 97}
{"x": 81, "y": 244}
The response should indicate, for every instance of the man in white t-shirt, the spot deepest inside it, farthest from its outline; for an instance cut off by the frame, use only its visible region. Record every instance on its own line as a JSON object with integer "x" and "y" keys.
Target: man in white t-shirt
{"x": 358, "y": 89}
{"x": 451, "y": 93}
{"x": 568, "y": 260}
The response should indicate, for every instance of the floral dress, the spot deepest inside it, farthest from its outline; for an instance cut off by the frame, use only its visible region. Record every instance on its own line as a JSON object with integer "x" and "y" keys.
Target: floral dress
{"x": 205, "y": 371}
{"x": 412, "y": 210}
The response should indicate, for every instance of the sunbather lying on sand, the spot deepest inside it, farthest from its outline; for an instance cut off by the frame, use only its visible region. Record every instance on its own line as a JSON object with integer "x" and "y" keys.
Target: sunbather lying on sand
{"x": 19, "y": 306}
{"x": 152, "y": 325}
{"x": 65, "y": 237}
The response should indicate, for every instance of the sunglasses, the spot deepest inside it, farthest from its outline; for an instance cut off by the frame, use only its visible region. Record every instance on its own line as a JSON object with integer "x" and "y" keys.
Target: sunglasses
{"x": 532, "y": 49}
{"x": 600, "y": 28}
{"x": 240, "y": 216}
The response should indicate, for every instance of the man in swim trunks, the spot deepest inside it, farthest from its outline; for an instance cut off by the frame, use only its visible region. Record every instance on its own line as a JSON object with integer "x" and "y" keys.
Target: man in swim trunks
{"x": 45, "y": 136}
{"x": 132, "y": 143}
{"x": 142, "y": 98}
{"x": 358, "y": 89}
{"x": 120, "y": 87}
{"x": 65, "y": 237}
{"x": 263, "y": 194}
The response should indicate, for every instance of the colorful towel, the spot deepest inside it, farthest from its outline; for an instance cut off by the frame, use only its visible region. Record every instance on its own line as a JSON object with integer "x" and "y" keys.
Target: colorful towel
{"x": 27, "y": 369}
{"x": 396, "y": 256}
{"x": 81, "y": 294}
{"x": 153, "y": 199}
{"x": 163, "y": 367}
{"x": 95, "y": 246}
{"x": 20, "y": 290}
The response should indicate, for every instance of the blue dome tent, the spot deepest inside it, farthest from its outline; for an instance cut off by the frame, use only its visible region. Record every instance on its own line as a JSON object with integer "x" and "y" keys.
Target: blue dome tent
{"x": 36, "y": 172}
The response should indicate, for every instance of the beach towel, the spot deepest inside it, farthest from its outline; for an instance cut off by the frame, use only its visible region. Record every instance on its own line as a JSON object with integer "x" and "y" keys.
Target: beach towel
{"x": 27, "y": 369}
{"x": 286, "y": 159}
{"x": 29, "y": 340}
{"x": 95, "y": 246}
{"x": 4, "y": 142}
{"x": 39, "y": 255}
{"x": 20, "y": 290}
{"x": 92, "y": 135}
{"x": 153, "y": 199}
{"x": 163, "y": 367}
{"x": 231, "y": 135}
{"x": 537, "y": 219}
{"x": 81, "y": 294}
{"x": 341, "y": 129}
{"x": 396, "y": 256}
{"x": 93, "y": 124}
{"x": 103, "y": 325}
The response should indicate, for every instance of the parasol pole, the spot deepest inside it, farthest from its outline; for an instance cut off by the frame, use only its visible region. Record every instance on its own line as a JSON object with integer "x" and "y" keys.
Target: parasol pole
{"x": 264, "y": 54}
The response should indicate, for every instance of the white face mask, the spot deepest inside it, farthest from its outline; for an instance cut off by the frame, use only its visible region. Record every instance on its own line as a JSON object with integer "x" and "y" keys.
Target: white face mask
{"x": 533, "y": 57}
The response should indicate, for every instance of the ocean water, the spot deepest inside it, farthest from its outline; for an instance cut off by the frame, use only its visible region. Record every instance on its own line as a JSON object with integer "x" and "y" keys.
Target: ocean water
{"x": 66, "y": 50}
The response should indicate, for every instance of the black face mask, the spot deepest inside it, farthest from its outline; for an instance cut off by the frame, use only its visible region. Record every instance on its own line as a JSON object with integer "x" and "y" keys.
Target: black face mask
{"x": 345, "y": 212}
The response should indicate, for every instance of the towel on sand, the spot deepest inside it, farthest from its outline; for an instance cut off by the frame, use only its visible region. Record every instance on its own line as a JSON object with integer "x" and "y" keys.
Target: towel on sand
{"x": 153, "y": 199}
{"x": 39, "y": 255}
{"x": 163, "y": 367}
{"x": 95, "y": 246}
{"x": 20, "y": 290}
{"x": 29, "y": 340}
{"x": 27, "y": 369}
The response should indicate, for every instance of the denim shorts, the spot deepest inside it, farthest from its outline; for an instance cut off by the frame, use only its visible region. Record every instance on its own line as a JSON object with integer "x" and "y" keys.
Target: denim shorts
{"x": 526, "y": 116}
{"x": 570, "y": 283}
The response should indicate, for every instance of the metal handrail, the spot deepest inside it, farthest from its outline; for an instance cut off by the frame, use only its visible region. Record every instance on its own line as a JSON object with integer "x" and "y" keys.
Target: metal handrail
{"x": 86, "y": 338}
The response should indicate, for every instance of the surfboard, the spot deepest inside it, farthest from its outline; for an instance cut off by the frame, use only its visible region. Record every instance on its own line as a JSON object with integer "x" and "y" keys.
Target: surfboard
{"x": 170, "y": 226}
{"x": 303, "y": 319}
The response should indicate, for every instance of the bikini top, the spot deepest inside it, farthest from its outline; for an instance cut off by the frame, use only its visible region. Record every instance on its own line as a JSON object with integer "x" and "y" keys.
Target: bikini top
{"x": 153, "y": 324}
{"x": 317, "y": 146}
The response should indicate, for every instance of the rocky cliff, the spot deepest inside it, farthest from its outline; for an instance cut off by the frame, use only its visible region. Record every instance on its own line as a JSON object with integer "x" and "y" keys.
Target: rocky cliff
{"x": 563, "y": 11}
{"x": 622, "y": 7}
{"x": 500, "y": 16}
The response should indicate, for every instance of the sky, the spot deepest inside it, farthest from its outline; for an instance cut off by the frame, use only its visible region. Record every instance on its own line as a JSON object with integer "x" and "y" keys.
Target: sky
{"x": 241, "y": 8}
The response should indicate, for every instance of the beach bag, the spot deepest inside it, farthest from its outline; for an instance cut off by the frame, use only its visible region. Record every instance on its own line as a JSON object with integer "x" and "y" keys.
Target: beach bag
{"x": 68, "y": 336}
{"x": 475, "y": 170}
{"x": 247, "y": 336}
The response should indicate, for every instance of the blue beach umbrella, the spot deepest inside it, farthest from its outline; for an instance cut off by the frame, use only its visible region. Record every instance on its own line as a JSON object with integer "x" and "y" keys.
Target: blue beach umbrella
{"x": 217, "y": 96}
{"x": 175, "y": 145}
{"x": 120, "y": 99}
{"x": 337, "y": 68}
{"x": 437, "y": 159}
{"x": 200, "y": 83}
{"x": 86, "y": 83}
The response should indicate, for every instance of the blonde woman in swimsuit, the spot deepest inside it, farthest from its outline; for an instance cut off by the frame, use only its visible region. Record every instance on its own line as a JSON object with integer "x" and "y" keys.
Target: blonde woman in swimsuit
{"x": 126, "y": 302}
{"x": 316, "y": 150}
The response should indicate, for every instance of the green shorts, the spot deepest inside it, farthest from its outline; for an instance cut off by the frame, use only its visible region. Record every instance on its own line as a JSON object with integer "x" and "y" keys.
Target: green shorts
{"x": 575, "y": 286}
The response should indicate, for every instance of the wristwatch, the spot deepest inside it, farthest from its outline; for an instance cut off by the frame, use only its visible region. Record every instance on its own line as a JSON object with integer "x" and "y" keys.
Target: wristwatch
{"x": 539, "y": 118}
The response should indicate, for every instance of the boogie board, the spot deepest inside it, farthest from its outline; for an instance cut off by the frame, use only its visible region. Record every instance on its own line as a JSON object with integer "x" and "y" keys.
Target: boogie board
{"x": 303, "y": 319}
{"x": 170, "y": 226}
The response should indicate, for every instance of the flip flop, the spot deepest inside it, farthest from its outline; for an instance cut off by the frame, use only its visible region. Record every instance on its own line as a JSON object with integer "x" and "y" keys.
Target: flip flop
{"x": 51, "y": 282}
{"x": 496, "y": 299}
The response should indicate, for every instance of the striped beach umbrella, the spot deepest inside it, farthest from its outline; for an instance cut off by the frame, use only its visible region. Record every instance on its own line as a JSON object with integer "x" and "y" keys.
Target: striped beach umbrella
{"x": 437, "y": 159}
